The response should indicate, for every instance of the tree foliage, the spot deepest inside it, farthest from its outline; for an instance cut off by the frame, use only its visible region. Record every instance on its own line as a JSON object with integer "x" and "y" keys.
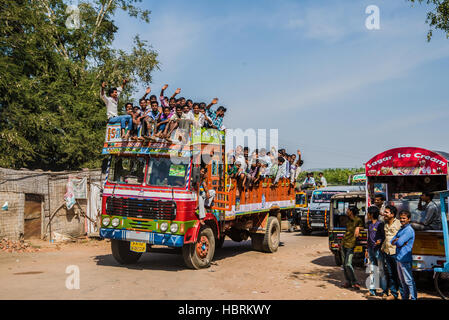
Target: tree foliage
{"x": 51, "y": 115}
{"x": 438, "y": 17}
{"x": 334, "y": 176}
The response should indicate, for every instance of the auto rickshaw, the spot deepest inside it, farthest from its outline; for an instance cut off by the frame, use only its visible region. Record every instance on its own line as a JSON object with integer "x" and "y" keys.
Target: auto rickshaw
{"x": 337, "y": 224}
{"x": 302, "y": 201}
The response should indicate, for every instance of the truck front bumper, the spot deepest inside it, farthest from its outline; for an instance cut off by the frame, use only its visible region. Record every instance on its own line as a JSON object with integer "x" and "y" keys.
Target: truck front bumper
{"x": 164, "y": 239}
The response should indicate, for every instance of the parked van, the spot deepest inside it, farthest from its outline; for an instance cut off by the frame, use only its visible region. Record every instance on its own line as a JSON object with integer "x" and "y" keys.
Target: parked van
{"x": 316, "y": 216}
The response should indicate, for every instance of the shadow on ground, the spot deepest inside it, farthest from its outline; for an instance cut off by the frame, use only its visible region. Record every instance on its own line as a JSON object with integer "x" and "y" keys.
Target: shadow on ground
{"x": 334, "y": 275}
{"x": 174, "y": 261}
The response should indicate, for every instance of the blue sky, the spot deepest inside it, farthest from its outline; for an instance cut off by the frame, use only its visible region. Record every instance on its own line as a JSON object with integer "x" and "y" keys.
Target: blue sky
{"x": 339, "y": 92}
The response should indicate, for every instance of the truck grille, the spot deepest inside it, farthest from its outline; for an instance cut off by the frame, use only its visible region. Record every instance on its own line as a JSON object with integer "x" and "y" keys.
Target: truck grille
{"x": 141, "y": 208}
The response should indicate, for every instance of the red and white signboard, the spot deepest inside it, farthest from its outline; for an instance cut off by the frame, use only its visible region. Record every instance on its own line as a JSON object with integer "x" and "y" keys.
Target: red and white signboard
{"x": 407, "y": 162}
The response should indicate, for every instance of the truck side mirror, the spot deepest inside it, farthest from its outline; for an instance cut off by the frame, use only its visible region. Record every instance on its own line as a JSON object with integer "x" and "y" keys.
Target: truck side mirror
{"x": 104, "y": 165}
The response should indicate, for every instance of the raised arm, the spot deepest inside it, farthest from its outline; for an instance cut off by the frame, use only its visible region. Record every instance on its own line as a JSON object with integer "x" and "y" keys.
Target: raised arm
{"x": 178, "y": 91}
{"x": 125, "y": 81}
{"x": 163, "y": 90}
{"x": 103, "y": 85}
{"x": 214, "y": 101}
{"x": 147, "y": 92}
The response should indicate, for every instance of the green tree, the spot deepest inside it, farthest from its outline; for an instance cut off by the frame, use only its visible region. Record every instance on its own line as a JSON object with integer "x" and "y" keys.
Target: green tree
{"x": 438, "y": 17}
{"x": 334, "y": 176}
{"x": 51, "y": 114}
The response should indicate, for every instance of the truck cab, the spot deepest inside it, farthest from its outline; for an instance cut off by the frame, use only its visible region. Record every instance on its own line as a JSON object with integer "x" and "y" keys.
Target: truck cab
{"x": 316, "y": 216}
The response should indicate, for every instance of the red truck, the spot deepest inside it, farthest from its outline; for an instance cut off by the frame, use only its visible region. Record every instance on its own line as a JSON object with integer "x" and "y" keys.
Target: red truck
{"x": 149, "y": 199}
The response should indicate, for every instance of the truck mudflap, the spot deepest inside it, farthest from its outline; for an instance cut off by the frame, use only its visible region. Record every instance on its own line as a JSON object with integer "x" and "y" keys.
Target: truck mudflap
{"x": 164, "y": 239}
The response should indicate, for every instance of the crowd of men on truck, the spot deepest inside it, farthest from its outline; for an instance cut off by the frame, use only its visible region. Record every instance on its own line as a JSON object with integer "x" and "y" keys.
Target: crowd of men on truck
{"x": 391, "y": 235}
{"x": 150, "y": 120}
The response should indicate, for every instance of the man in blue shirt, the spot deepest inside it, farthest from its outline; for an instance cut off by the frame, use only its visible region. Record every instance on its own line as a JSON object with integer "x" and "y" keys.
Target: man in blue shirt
{"x": 216, "y": 116}
{"x": 404, "y": 243}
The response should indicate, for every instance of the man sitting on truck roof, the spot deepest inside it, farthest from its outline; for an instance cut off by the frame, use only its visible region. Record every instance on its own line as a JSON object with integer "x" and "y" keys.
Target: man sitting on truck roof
{"x": 111, "y": 109}
{"x": 309, "y": 181}
{"x": 216, "y": 116}
{"x": 432, "y": 220}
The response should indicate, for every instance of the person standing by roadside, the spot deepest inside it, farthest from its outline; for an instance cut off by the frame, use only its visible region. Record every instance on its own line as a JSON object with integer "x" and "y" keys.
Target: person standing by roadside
{"x": 404, "y": 243}
{"x": 353, "y": 227}
{"x": 379, "y": 201}
{"x": 391, "y": 228}
{"x": 376, "y": 236}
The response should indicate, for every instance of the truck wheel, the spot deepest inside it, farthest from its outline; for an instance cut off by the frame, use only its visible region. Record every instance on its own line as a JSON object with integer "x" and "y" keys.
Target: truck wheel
{"x": 257, "y": 241}
{"x": 199, "y": 255}
{"x": 305, "y": 230}
{"x": 337, "y": 258}
{"x": 272, "y": 236}
{"x": 122, "y": 253}
{"x": 441, "y": 281}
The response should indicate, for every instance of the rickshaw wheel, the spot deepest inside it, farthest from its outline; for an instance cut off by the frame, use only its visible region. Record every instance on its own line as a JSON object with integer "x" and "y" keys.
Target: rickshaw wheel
{"x": 441, "y": 281}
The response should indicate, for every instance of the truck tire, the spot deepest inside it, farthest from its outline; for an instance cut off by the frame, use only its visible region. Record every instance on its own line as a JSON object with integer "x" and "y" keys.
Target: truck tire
{"x": 257, "y": 241}
{"x": 122, "y": 253}
{"x": 272, "y": 236}
{"x": 305, "y": 230}
{"x": 337, "y": 258}
{"x": 199, "y": 255}
{"x": 441, "y": 282}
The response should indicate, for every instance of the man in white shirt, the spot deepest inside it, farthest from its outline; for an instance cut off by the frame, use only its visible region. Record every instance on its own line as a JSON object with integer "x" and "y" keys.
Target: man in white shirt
{"x": 196, "y": 116}
{"x": 111, "y": 102}
{"x": 240, "y": 157}
{"x": 309, "y": 181}
{"x": 281, "y": 171}
{"x": 323, "y": 180}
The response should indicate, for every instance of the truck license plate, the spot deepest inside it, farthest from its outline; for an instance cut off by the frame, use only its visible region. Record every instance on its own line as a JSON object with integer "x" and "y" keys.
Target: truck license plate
{"x": 138, "y": 247}
{"x": 317, "y": 224}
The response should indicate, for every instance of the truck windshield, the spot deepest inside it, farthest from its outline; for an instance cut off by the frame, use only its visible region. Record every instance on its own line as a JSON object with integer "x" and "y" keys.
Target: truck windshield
{"x": 323, "y": 196}
{"x": 165, "y": 172}
{"x": 127, "y": 170}
{"x": 300, "y": 198}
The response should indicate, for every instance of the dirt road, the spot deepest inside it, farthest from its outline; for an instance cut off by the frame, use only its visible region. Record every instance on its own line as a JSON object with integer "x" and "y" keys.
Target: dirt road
{"x": 303, "y": 268}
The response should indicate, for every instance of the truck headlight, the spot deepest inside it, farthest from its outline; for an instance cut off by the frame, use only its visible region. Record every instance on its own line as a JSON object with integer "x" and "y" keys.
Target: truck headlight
{"x": 174, "y": 228}
{"x": 106, "y": 221}
{"x": 164, "y": 226}
{"x": 115, "y": 222}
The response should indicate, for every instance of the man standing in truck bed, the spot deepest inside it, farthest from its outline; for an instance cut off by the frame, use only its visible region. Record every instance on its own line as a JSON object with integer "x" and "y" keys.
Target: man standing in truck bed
{"x": 205, "y": 196}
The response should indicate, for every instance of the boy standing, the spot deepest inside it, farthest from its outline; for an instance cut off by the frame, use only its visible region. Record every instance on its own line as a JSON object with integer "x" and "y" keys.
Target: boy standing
{"x": 353, "y": 227}
{"x": 392, "y": 226}
{"x": 404, "y": 243}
